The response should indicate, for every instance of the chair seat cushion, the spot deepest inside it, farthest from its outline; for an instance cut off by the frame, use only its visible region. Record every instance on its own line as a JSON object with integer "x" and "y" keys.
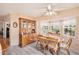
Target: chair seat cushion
{"x": 62, "y": 45}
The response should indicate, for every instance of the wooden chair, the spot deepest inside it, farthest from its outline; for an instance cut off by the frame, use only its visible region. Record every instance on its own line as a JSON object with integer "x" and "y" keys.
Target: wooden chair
{"x": 4, "y": 46}
{"x": 38, "y": 40}
{"x": 4, "y": 51}
{"x": 53, "y": 45}
{"x": 42, "y": 43}
{"x": 66, "y": 46}
{"x": 0, "y": 49}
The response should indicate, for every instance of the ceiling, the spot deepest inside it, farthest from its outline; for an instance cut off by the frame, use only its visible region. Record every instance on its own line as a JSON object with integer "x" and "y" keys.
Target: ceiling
{"x": 32, "y": 9}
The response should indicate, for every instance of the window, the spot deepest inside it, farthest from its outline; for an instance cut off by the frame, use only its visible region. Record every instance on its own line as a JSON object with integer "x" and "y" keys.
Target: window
{"x": 51, "y": 27}
{"x": 45, "y": 29}
{"x": 55, "y": 27}
{"x": 69, "y": 27}
{"x": 65, "y": 27}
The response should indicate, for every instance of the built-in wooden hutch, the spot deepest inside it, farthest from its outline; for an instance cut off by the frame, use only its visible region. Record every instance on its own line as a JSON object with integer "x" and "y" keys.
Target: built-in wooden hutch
{"x": 26, "y": 31}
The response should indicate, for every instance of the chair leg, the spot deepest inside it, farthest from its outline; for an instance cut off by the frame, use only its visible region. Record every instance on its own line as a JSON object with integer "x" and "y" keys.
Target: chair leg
{"x": 36, "y": 44}
{"x": 68, "y": 52}
{"x": 57, "y": 52}
{"x": 44, "y": 50}
{"x": 51, "y": 52}
{"x": 5, "y": 52}
{"x": 48, "y": 49}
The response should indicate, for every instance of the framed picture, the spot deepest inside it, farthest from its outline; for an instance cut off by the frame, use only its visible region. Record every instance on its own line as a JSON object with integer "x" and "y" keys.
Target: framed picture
{"x": 15, "y": 24}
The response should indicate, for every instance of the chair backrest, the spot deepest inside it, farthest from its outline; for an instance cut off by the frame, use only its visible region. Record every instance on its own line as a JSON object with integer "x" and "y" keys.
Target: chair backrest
{"x": 41, "y": 36}
{"x": 52, "y": 41}
{"x": 69, "y": 43}
{"x": 43, "y": 41}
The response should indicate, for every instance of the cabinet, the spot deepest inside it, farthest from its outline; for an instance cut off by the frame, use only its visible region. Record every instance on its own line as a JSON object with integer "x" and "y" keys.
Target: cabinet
{"x": 26, "y": 30}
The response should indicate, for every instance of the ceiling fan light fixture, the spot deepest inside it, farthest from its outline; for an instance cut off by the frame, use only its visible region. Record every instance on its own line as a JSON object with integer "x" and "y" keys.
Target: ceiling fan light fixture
{"x": 55, "y": 13}
{"x": 49, "y": 7}
{"x": 50, "y": 10}
{"x": 51, "y": 13}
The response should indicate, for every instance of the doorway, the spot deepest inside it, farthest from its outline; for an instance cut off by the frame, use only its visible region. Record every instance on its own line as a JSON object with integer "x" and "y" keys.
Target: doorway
{"x": 8, "y": 34}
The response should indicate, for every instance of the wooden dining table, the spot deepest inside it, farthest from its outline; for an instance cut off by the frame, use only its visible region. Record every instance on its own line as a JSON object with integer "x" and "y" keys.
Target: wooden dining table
{"x": 58, "y": 37}
{"x": 50, "y": 38}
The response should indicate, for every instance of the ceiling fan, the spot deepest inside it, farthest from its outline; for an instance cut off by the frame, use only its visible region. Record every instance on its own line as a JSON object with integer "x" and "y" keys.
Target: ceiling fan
{"x": 49, "y": 10}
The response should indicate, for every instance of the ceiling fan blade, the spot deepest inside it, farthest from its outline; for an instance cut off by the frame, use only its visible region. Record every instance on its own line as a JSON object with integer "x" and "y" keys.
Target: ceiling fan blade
{"x": 59, "y": 9}
{"x": 54, "y": 13}
{"x": 42, "y": 9}
{"x": 49, "y": 7}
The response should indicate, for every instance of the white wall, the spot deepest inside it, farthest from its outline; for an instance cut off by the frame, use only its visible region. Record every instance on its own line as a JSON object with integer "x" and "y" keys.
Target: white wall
{"x": 14, "y": 32}
{"x": 75, "y": 44}
{"x": 6, "y": 19}
{"x": 39, "y": 25}
{"x": 50, "y": 22}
